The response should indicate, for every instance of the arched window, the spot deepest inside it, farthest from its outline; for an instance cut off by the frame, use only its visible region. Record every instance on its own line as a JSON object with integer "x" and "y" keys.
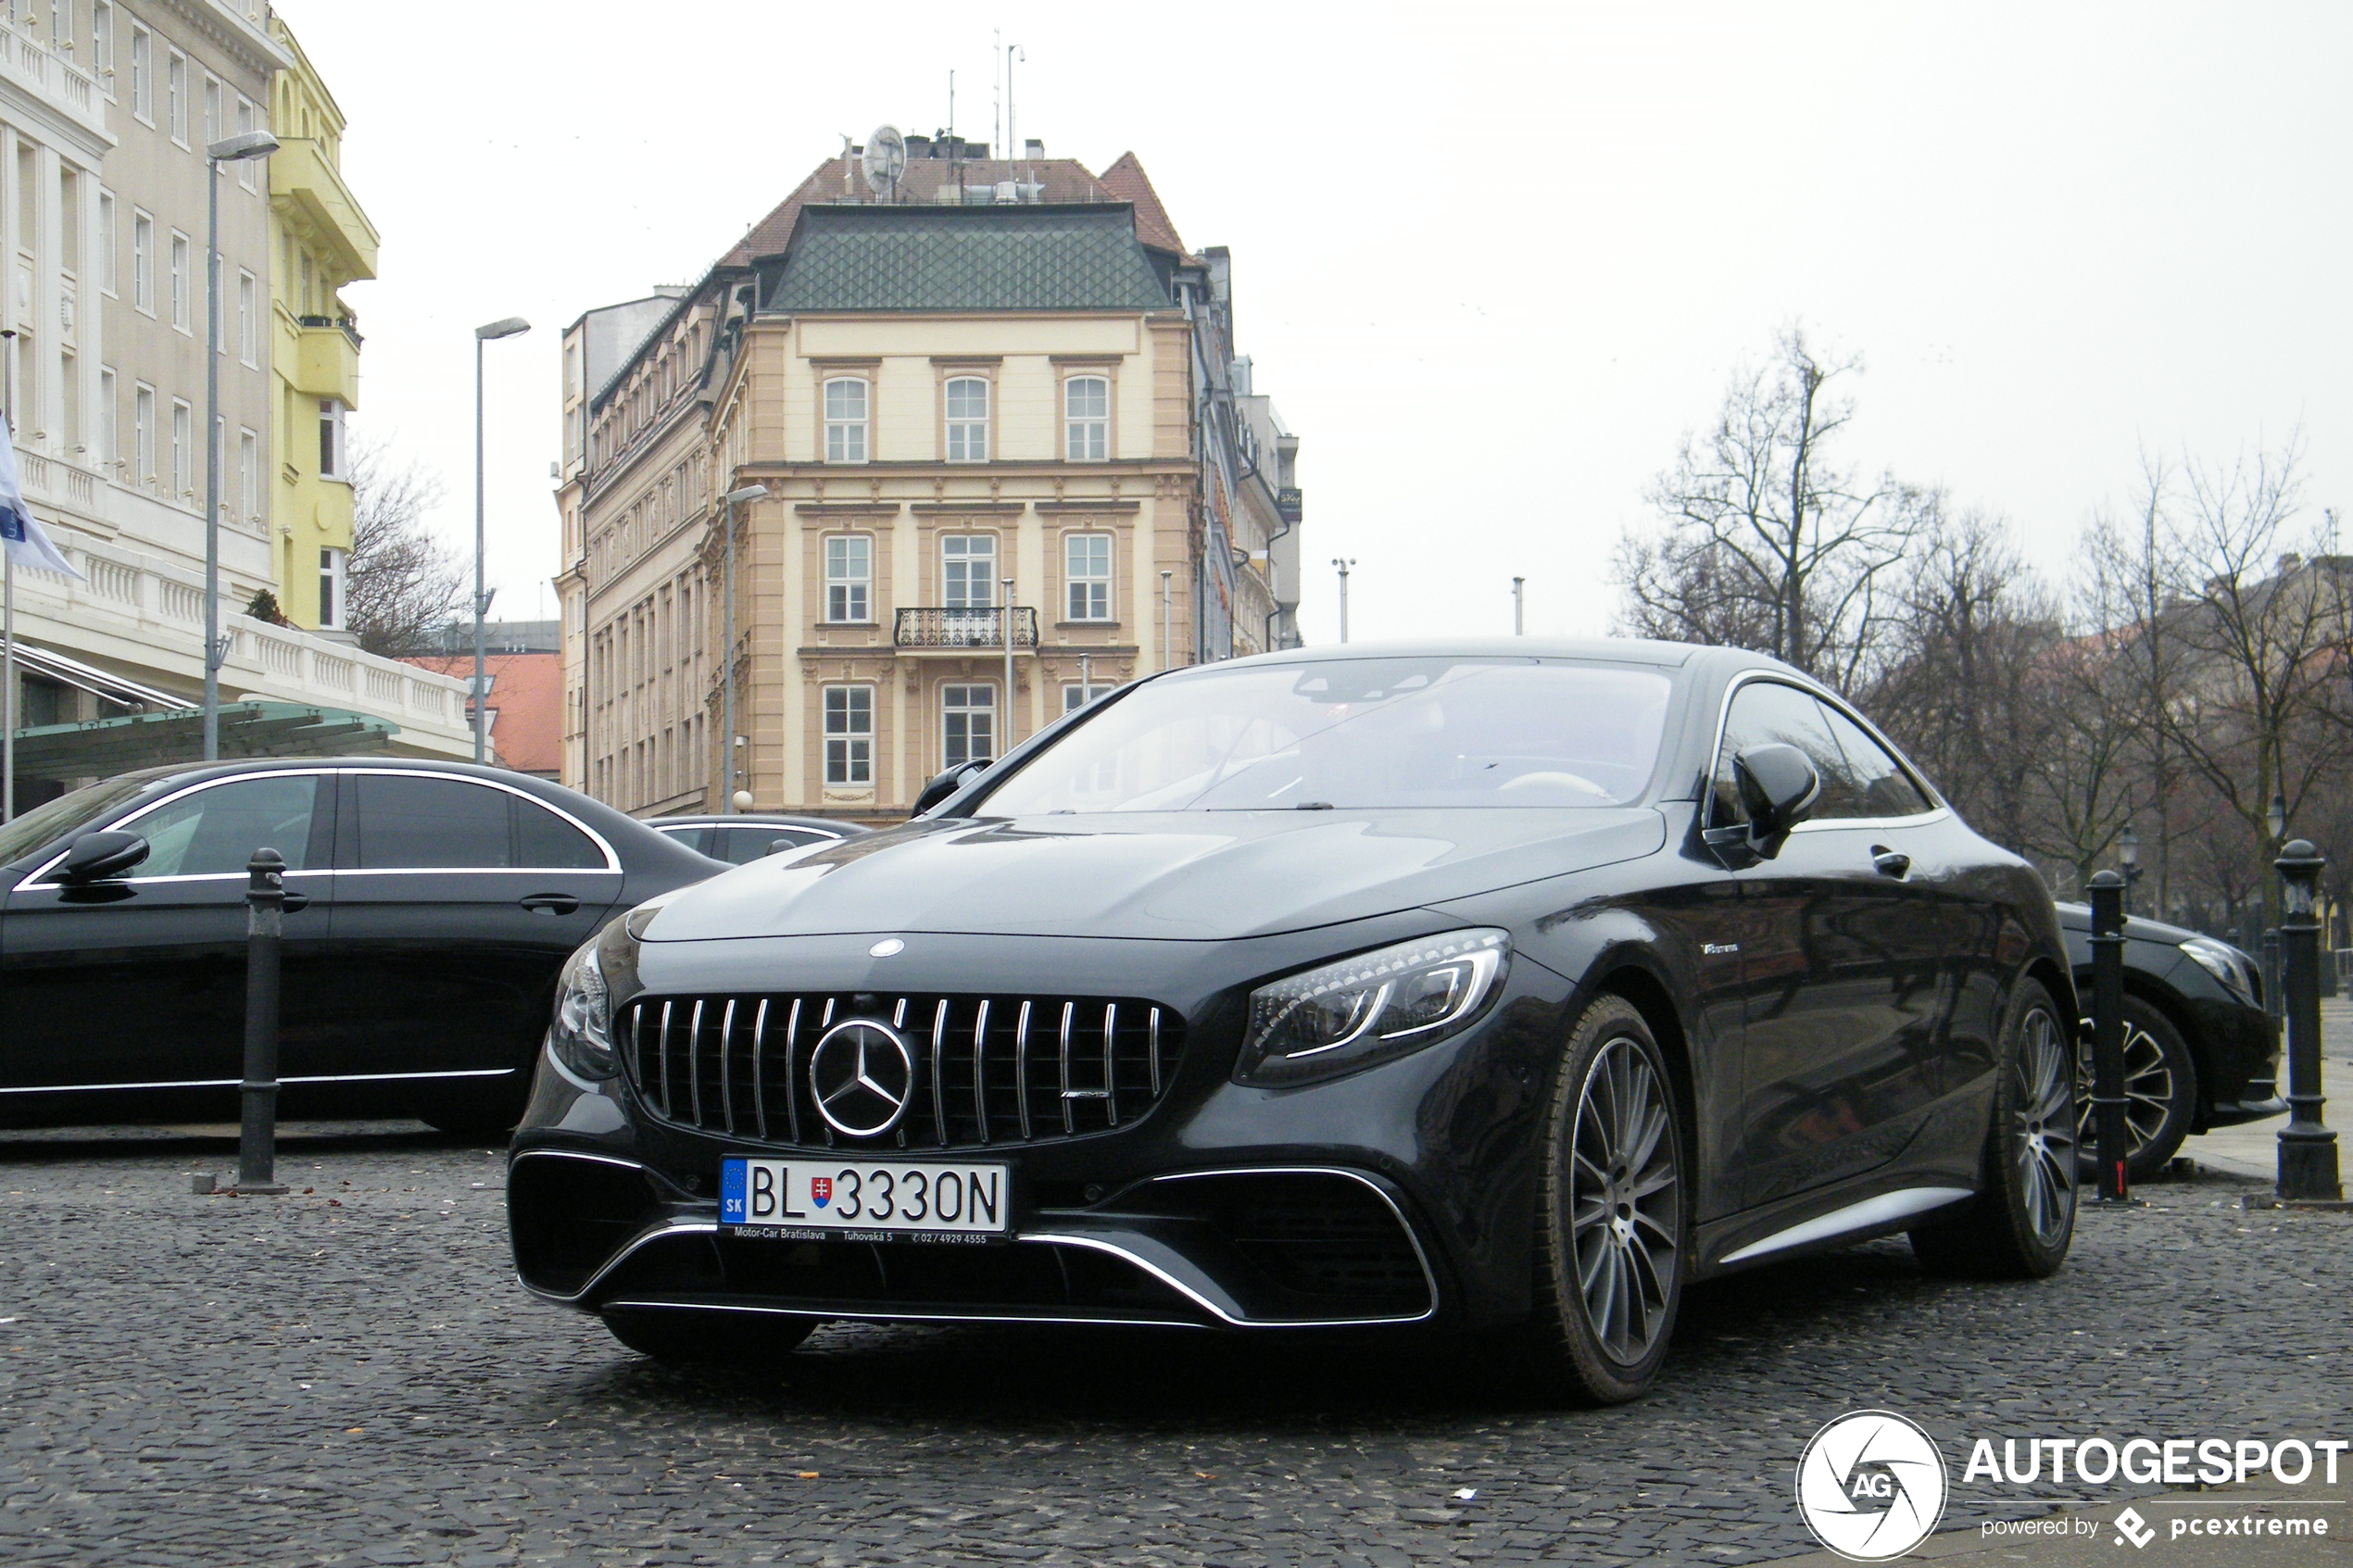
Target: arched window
{"x": 968, "y": 419}
{"x": 845, "y": 420}
{"x": 1087, "y": 418}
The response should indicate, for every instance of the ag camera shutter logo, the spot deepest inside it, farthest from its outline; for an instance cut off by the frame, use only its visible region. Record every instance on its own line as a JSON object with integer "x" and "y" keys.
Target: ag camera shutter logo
{"x": 1870, "y": 1486}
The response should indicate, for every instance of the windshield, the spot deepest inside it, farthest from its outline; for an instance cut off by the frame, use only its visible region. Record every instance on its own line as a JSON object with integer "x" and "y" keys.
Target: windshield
{"x": 61, "y": 816}
{"x": 1340, "y": 734}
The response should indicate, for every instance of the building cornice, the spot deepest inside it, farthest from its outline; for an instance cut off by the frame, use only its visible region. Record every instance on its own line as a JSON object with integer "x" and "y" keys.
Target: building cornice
{"x": 233, "y": 31}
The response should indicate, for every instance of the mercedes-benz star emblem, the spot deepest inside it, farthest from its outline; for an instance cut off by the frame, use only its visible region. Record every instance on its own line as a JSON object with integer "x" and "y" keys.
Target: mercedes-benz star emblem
{"x": 862, "y": 1076}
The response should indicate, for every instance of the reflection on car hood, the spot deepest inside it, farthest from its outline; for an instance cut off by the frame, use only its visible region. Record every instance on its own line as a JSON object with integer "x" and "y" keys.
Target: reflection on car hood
{"x": 2078, "y": 917}
{"x": 1189, "y": 875}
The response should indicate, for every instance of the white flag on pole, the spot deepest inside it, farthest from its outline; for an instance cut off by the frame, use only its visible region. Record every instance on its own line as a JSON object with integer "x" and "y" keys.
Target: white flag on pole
{"x": 28, "y": 544}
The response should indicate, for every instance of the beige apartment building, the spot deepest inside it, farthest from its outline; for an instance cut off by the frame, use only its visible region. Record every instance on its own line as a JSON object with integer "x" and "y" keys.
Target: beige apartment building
{"x": 1000, "y": 398}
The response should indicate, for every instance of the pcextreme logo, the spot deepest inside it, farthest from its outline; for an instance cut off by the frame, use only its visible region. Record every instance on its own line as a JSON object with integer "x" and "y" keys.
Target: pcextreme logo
{"x": 1870, "y": 1486}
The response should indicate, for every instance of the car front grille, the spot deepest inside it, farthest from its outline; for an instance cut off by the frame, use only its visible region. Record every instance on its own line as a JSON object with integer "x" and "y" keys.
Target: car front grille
{"x": 987, "y": 1070}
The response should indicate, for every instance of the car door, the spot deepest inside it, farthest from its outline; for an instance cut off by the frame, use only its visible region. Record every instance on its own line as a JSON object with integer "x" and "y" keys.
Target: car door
{"x": 135, "y": 989}
{"x": 466, "y": 894}
{"x": 1847, "y": 999}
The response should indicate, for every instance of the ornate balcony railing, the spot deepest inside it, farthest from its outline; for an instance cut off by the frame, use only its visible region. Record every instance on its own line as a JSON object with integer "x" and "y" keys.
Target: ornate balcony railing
{"x": 942, "y": 628}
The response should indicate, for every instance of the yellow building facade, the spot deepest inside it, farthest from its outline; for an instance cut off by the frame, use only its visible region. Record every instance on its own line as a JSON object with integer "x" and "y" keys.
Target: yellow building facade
{"x": 319, "y": 239}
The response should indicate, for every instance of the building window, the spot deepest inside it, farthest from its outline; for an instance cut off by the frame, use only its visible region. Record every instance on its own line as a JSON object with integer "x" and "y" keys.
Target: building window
{"x": 967, "y": 724}
{"x": 849, "y": 576}
{"x": 69, "y": 220}
{"x": 143, "y": 75}
{"x": 176, "y": 85}
{"x": 143, "y": 436}
{"x": 143, "y": 262}
{"x": 967, "y": 419}
{"x": 1087, "y": 418}
{"x": 102, "y": 43}
{"x": 331, "y": 605}
{"x": 849, "y": 735}
{"x": 107, "y": 240}
{"x": 107, "y": 451}
{"x": 1086, "y": 576}
{"x": 246, "y": 325}
{"x": 179, "y": 280}
{"x": 330, "y": 442}
{"x": 845, "y": 421}
{"x": 1076, "y": 697}
{"x": 211, "y": 110}
{"x": 69, "y": 386}
{"x": 248, "y": 170}
{"x": 968, "y": 571}
{"x": 249, "y": 475}
{"x": 61, "y": 22}
{"x": 184, "y": 449}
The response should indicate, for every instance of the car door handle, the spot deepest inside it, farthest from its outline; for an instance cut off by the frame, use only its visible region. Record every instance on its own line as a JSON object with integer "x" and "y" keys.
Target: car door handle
{"x": 550, "y": 903}
{"x": 296, "y": 900}
{"x": 1891, "y": 862}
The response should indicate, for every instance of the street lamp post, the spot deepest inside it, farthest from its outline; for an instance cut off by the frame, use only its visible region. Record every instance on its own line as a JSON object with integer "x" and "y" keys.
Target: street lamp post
{"x": 1519, "y": 627}
{"x": 728, "y": 503}
{"x": 1005, "y": 712}
{"x": 1343, "y": 563}
{"x": 229, "y": 149}
{"x": 2307, "y": 1149}
{"x": 505, "y": 327}
{"x": 2128, "y": 858}
{"x": 1167, "y": 620}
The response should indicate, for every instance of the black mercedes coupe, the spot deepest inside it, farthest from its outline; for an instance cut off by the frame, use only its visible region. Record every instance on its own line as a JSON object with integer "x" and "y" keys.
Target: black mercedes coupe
{"x": 1503, "y": 987}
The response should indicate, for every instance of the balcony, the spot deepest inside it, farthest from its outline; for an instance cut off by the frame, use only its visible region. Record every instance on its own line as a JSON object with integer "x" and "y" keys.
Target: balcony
{"x": 956, "y": 631}
{"x": 326, "y": 361}
{"x": 302, "y": 180}
{"x": 53, "y": 78}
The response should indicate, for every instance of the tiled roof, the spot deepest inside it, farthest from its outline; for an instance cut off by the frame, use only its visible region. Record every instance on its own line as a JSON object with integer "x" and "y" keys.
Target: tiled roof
{"x": 1126, "y": 181}
{"x": 838, "y": 179}
{"x": 923, "y": 256}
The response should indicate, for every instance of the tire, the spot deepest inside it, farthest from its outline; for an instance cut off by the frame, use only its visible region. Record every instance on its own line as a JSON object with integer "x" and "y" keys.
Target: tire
{"x": 1612, "y": 1215}
{"x": 684, "y": 1338}
{"x": 2160, "y": 1081}
{"x": 2021, "y": 1222}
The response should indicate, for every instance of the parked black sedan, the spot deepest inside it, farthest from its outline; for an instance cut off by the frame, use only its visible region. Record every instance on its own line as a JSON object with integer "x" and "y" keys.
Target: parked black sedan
{"x": 429, "y": 907}
{"x": 2198, "y": 1051}
{"x": 746, "y": 836}
{"x": 1503, "y": 987}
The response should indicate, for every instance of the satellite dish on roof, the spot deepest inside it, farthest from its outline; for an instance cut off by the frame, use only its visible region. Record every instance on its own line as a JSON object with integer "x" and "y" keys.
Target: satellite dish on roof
{"x": 885, "y": 158}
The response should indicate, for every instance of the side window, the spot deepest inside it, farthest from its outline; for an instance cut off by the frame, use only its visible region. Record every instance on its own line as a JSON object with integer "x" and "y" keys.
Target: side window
{"x": 215, "y": 831}
{"x": 546, "y": 842}
{"x": 749, "y": 844}
{"x": 1884, "y": 788}
{"x": 1766, "y": 713}
{"x": 419, "y": 823}
{"x": 695, "y": 838}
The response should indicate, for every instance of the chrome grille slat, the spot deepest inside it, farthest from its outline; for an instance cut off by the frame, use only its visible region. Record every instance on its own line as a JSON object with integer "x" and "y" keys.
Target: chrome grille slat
{"x": 706, "y": 1038}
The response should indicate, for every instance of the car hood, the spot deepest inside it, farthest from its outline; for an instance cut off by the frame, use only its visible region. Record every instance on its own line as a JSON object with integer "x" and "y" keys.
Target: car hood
{"x": 2078, "y": 918}
{"x": 1190, "y": 875}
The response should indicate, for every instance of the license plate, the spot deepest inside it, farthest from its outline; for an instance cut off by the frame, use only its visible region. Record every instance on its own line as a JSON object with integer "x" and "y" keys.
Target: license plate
{"x": 867, "y": 1200}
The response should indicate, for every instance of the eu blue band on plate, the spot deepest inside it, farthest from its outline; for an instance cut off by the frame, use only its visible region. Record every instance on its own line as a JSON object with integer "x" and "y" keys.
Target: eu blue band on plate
{"x": 731, "y": 1192}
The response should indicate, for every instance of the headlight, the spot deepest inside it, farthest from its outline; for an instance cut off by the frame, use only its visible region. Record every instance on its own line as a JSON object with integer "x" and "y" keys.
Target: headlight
{"x": 1370, "y": 1008}
{"x": 581, "y": 1035}
{"x": 2224, "y": 963}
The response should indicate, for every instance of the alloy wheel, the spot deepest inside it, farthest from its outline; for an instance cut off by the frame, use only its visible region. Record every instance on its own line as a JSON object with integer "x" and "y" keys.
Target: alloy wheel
{"x": 2148, "y": 1090}
{"x": 1625, "y": 1203}
{"x": 2046, "y": 1125}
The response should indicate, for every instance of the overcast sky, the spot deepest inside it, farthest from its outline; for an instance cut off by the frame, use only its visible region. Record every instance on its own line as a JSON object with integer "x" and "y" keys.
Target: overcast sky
{"x": 1492, "y": 261}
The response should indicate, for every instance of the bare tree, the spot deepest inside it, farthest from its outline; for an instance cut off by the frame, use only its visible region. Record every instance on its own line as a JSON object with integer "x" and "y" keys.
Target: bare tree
{"x": 1770, "y": 539}
{"x": 401, "y": 585}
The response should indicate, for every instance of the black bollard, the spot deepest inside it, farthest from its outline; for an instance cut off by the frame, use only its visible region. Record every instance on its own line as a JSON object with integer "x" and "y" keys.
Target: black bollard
{"x": 2112, "y": 1133}
{"x": 265, "y": 913}
{"x": 2307, "y": 1149}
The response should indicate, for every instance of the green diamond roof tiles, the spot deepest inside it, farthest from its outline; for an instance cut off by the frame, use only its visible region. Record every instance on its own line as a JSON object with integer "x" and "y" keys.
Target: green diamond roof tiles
{"x": 908, "y": 258}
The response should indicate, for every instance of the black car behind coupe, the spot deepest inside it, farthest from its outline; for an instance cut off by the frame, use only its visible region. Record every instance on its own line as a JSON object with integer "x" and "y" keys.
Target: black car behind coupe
{"x": 1499, "y": 986}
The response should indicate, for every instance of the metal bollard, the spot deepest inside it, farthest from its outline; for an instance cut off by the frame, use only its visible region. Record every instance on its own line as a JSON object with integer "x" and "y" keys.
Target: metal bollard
{"x": 265, "y": 913}
{"x": 2112, "y": 1133}
{"x": 2307, "y": 1149}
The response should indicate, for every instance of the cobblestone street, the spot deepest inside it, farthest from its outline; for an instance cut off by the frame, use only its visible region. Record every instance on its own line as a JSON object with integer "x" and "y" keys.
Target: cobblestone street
{"x": 350, "y": 1375}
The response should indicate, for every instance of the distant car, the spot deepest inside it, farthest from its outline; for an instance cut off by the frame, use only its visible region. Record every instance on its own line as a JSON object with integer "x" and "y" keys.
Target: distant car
{"x": 2198, "y": 1051}
{"x": 429, "y": 907}
{"x": 748, "y": 837}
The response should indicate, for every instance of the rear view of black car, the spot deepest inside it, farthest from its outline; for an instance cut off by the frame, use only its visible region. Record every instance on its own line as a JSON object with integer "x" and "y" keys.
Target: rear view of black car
{"x": 1499, "y": 987}
{"x": 428, "y": 909}
{"x": 2199, "y": 1052}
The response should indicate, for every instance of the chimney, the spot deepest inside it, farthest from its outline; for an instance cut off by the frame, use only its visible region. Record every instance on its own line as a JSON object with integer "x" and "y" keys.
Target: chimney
{"x": 1032, "y": 147}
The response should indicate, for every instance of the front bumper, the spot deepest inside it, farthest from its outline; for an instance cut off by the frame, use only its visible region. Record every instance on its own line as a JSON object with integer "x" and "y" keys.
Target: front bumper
{"x": 1399, "y": 1194}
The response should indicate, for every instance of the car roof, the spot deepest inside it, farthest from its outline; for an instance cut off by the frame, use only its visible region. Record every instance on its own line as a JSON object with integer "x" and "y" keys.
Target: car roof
{"x": 756, "y": 818}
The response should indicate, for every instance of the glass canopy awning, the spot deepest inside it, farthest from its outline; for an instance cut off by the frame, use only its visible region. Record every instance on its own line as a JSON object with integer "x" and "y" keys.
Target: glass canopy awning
{"x": 100, "y": 748}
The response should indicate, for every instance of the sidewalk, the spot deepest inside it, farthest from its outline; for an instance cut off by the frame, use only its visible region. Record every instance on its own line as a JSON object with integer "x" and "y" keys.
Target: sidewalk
{"x": 2253, "y": 1149}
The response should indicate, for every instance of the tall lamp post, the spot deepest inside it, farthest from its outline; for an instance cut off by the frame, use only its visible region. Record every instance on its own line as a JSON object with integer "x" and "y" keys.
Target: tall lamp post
{"x": 1343, "y": 563}
{"x": 728, "y": 503}
{"x": 505, "y": 327}
{"x": 1520, "y": 626}
{"x": 2128, "y": 859}
{"x": 229, "y": 149}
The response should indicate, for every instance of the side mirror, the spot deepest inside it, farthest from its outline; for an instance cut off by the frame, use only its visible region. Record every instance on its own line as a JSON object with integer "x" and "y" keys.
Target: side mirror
{"x": 946, "y": 784}
{"x": 1779, "y": 786}
{"x": 101, "y": 856}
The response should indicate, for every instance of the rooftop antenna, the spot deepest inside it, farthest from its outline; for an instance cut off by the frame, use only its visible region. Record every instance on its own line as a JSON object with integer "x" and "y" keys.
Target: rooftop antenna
{"x": 995, "y": 88}
{"x": 883, "y": 161}
{"x": 1010, "y": 50}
